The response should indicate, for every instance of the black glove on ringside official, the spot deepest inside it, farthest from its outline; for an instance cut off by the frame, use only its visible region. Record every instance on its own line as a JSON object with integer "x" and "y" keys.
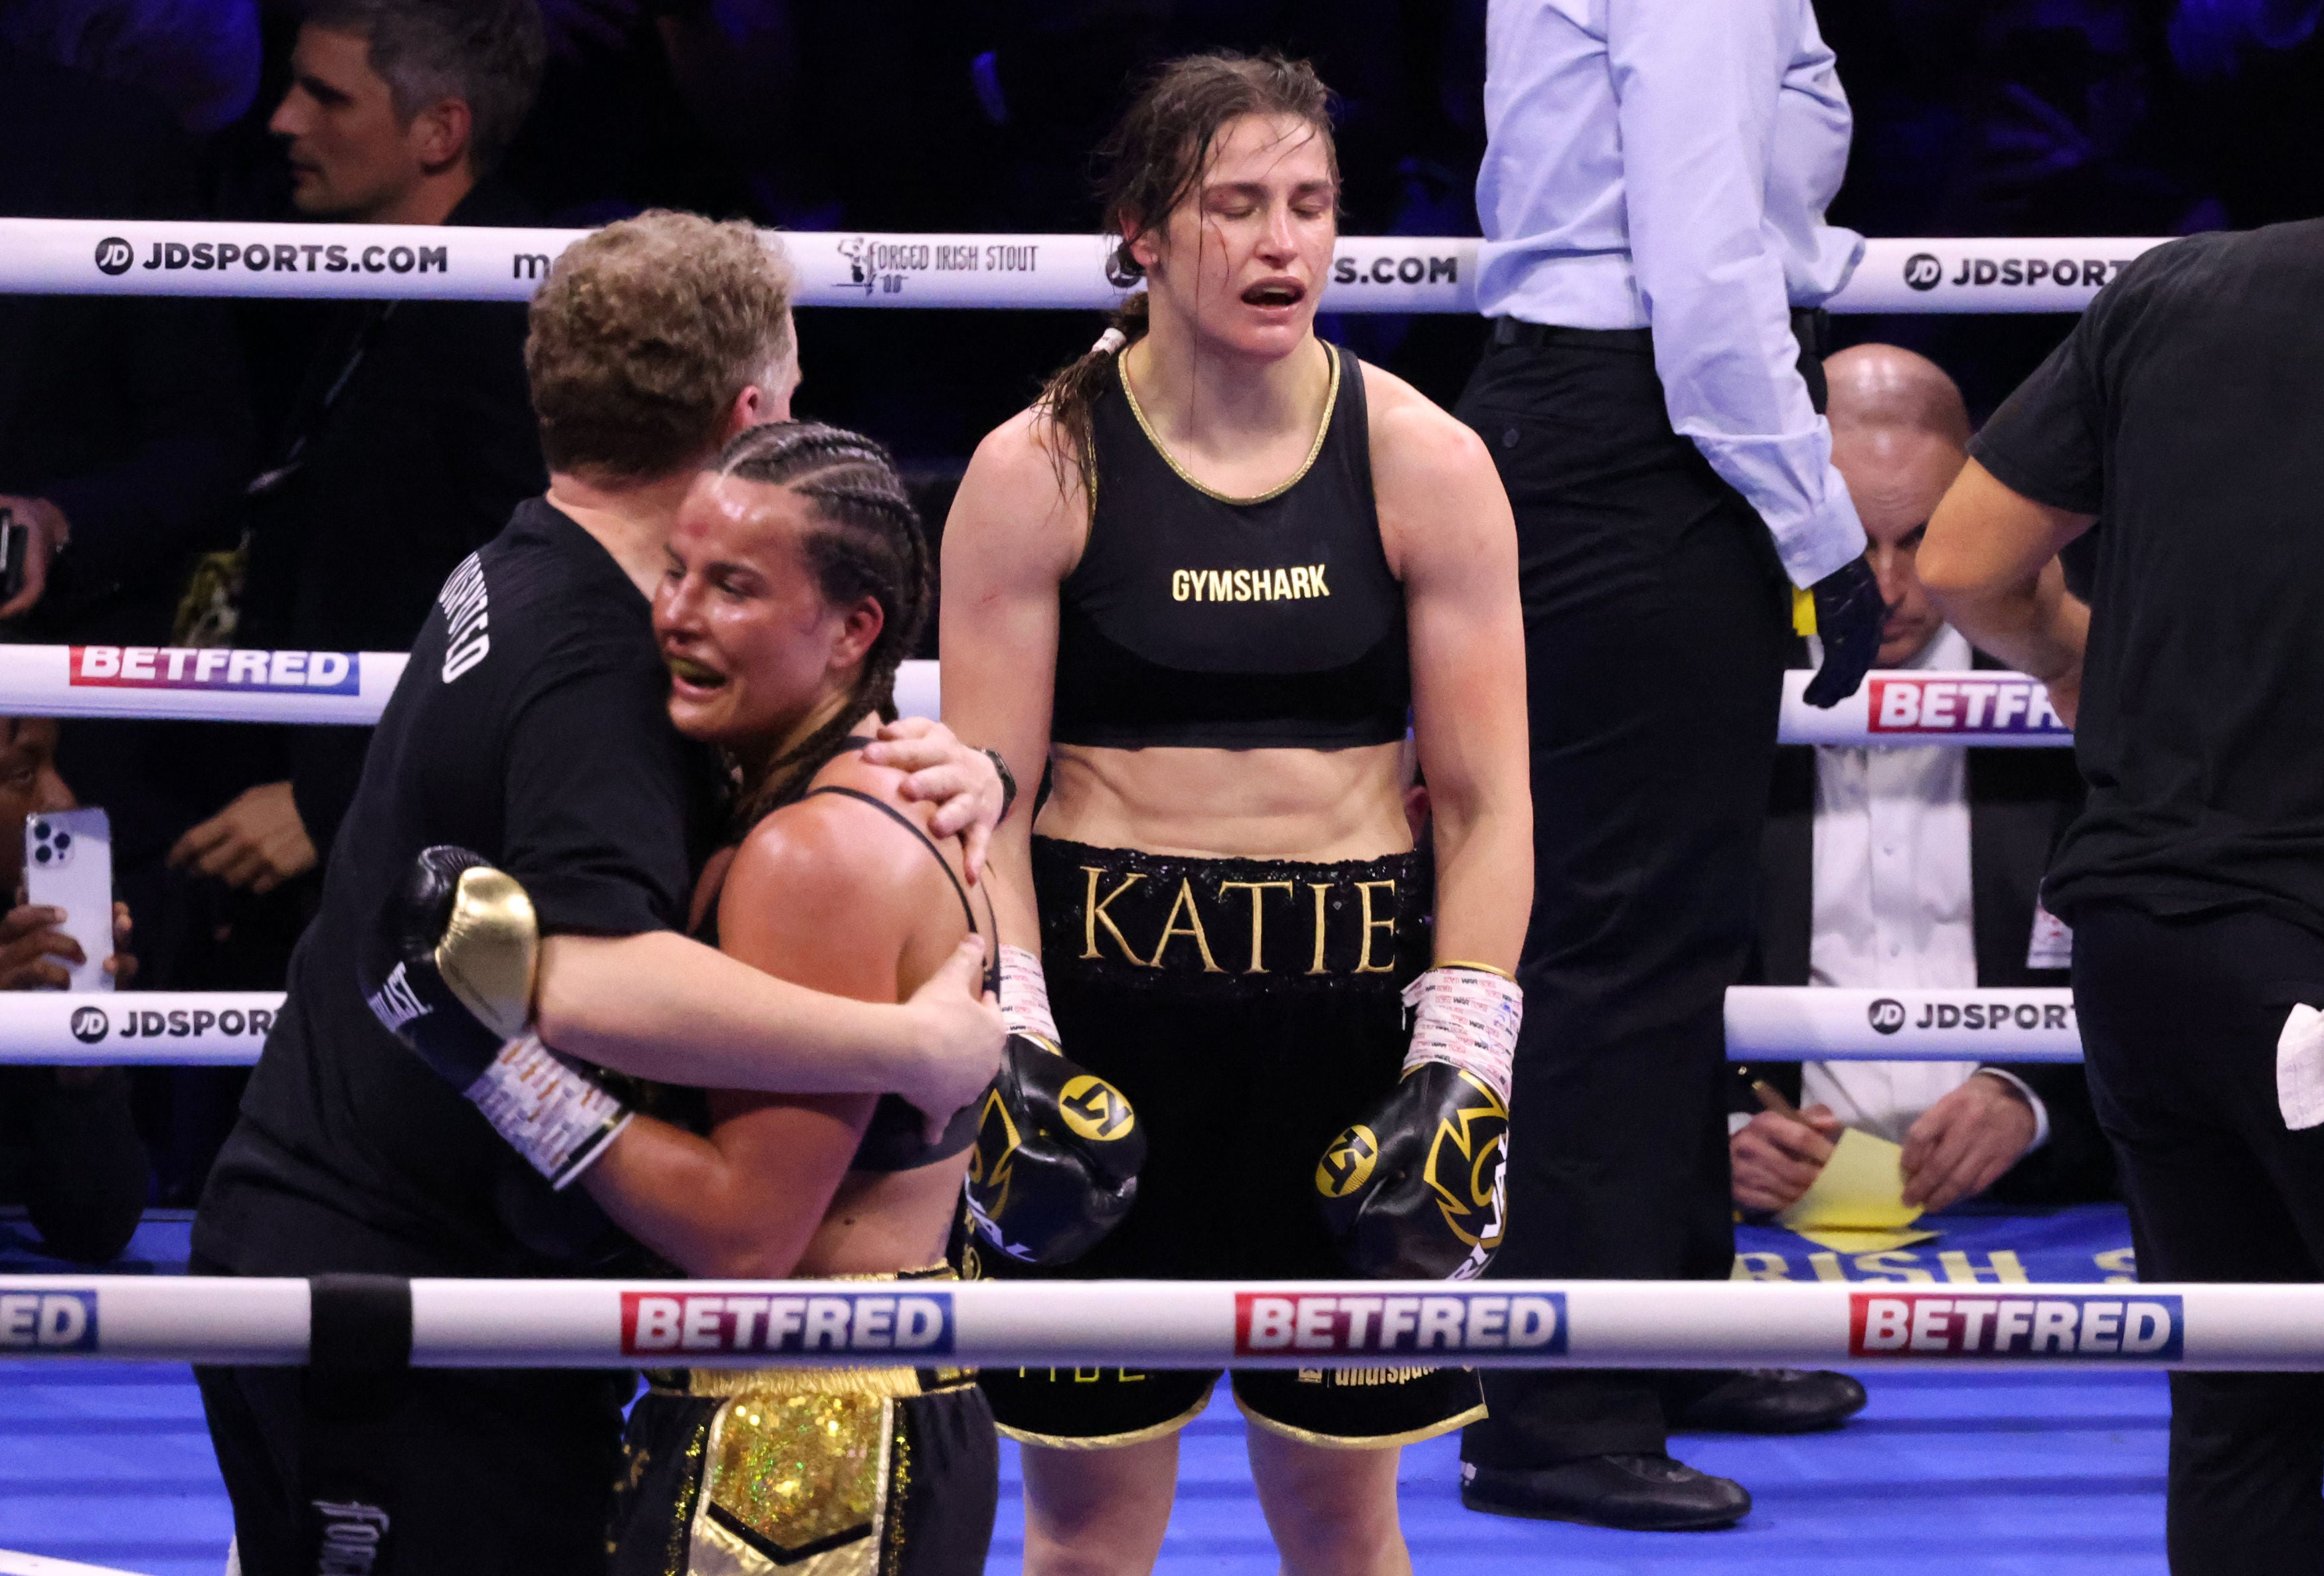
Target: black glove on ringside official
{"x": 1849, "y": 613}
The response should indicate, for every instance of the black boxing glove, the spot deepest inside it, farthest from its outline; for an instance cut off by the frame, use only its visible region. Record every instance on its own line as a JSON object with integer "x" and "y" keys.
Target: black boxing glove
{"x": 1057, "y": 1152}
{"x": 1414, "y": 1192}
{"x": 1849, "y": 613}
{"x": 448, "y": 969}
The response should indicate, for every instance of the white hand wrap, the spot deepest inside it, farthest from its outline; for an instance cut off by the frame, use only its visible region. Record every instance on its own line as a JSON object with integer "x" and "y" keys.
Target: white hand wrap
{"x": 551, "y": 1111}
{"x": 1469, "y": 1019}
{"x": 1025, "y": 996}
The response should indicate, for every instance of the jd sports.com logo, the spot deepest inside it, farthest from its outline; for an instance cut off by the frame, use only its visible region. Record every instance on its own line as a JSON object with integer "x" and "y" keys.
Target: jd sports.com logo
{"x": 1924, "y": 272}
{"x": 114, "y": 255}
{"x": 1888, "y": 1015}
{"x": 91, "y": 1024}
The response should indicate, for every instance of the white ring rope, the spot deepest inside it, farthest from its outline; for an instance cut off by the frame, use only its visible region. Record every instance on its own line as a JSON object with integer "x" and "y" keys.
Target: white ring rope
{"x": 222, "y": 686}
{"x": 1369, "y": 273}
{"x": 548, "y": 1323}
{"x": 225, "y": 1028}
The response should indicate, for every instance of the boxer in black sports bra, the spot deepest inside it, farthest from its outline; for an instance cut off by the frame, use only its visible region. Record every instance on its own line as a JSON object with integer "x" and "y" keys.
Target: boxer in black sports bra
{"x": 797, "y": 579}
{"x": 1201, "y": 583}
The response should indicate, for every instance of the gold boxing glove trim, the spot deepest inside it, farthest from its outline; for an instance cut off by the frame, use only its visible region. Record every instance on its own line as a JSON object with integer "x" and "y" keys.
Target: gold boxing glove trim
{"x": 1460, "y": 1160}
{"x": 491, "y": 950}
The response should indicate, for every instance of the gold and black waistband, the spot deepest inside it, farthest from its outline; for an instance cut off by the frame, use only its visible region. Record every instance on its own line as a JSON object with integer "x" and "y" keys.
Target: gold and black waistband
{"x": 1244, "y": 925}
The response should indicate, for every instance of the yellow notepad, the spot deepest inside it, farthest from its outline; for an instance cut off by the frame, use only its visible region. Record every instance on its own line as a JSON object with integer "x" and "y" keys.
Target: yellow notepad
{"x": 1857, "y": 1203}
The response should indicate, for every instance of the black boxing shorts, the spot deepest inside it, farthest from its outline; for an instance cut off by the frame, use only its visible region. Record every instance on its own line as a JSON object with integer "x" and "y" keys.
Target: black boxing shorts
{"x": 836, "y": 1472}
{"x": 1249, "y": 1009}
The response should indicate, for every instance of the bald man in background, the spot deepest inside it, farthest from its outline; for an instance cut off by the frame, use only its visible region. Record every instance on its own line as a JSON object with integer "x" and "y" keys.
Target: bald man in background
{"x": 1913, "y": 866}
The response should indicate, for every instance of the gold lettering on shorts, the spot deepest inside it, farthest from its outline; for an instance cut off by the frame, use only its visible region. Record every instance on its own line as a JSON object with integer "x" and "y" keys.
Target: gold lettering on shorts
{"x": 1364, "y": 965}
{"x": 1258, "y": 890}
{"x": 1185, "y": 904}
{"x": 1319, "y": 888}
{"x": 1093, "y": 915}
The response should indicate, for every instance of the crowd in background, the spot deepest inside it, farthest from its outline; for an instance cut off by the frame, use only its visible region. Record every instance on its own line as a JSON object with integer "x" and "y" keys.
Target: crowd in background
{"x": 244, "y": 473}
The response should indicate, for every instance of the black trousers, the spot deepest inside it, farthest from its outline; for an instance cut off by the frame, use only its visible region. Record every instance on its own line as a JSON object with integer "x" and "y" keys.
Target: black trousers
{"x": 433, "y": 1472}
{"x": 2178, "y": 1020}
{"x": 1656, "y": 619}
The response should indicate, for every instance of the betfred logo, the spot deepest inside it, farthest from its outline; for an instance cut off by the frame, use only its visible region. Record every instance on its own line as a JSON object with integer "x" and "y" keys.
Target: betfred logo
{"x": 1915, "y": 1324}
{"x": 216, "y": 667}
{"x": 697, "y": 1325}
{"x": 47, "y": 1321}
{"x": 2010, "y": 703}
{"x": 1326, "y": 1324}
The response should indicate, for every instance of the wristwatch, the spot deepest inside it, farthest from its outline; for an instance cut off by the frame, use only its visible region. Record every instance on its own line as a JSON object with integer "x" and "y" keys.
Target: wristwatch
{"x": 1007, "y": 780}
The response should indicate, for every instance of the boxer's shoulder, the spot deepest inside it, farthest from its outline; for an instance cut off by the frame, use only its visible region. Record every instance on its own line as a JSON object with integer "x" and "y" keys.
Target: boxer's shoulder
{"x": 833, "y": 848}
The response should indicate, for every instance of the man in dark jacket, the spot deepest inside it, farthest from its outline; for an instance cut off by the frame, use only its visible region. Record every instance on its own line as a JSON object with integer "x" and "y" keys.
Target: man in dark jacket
{"x": 411, "y": 436}
{"x": 1914, "y": 865}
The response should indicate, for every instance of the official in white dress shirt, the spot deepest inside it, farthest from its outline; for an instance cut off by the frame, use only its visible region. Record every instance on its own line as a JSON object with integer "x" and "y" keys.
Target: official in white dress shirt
{"x": 1655, "y": 261}
{"x": 1892, "y": 907}
{"x": 1912, "y": 865}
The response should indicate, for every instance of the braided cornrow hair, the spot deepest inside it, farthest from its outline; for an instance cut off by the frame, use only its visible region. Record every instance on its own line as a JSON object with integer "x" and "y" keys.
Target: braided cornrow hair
{"x": 866, "y": 542}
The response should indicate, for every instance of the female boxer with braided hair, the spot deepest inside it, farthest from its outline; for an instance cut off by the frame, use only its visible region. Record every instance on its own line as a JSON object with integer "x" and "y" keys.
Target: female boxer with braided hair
{"x": 798, "y": 579}
{"x": 1204, "y": 581}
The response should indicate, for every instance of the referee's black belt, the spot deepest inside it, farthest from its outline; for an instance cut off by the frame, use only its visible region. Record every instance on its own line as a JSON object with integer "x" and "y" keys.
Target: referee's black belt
{"x": 1810, "y": 326}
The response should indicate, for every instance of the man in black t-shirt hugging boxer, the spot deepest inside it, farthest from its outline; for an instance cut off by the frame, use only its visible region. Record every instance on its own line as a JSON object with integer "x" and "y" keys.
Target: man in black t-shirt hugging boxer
{"x": 2183, "y": 412}
{"x": 530, "y": 727}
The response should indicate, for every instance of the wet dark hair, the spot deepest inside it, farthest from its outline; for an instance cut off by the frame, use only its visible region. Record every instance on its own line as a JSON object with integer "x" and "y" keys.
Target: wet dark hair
{"x": 867, "y": 541}
{"x": 1153, "y": 161}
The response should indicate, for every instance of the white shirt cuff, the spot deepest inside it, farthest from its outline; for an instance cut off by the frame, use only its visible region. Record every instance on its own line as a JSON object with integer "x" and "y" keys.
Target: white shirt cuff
{"x": 1818, "y": 544}
{"x": 2041, "y": 1111}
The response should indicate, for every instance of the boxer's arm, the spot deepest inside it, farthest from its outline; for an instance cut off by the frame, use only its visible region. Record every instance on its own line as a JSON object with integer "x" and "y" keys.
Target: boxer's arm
{"x": 658, "y": 1006}
{"x": 1012, "y": 536}
{"x": 1450, "y": 536}
{"x": 595, "y": 815}
{"x": 1990, "y": 563}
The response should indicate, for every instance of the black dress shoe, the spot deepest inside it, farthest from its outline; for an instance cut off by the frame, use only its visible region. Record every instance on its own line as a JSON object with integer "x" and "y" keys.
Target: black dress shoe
{"x": 1774, "y": 1400}
{"x": 1638, "y": 1493}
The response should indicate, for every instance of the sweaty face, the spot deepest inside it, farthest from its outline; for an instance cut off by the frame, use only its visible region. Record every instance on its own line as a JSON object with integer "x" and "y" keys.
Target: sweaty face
{"x": 753, "y": 647}
{"x": 1245, "y": 255}
{"x": 351, "y": 155}
{"x": 29, "y": 785}
{"x": 1896, "y": 478}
